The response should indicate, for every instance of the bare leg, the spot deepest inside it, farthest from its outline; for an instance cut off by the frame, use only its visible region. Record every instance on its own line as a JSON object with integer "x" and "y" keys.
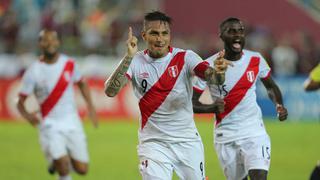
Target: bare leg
{"x": 258, "y": 174}
{"x": 80, "y": 167}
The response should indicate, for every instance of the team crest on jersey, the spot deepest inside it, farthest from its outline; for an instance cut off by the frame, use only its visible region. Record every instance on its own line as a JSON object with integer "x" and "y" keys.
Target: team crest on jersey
{"x": 144, "y": 75}
{"x": 250, "y": 76}
{"x": 173, "y": 71}
{"x": 67, "y": 76}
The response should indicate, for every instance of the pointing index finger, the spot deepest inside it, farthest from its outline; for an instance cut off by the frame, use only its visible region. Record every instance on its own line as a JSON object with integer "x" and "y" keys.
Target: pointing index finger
{"x": 130, "y": 33}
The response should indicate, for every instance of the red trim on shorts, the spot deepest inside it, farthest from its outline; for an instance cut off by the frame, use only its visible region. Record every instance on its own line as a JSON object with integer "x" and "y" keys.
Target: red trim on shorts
{"x": 62, "y": 84}
{"x": 201, "y": 68}
{"x": 157, "y": 94}
{"x": 240, "y": 89}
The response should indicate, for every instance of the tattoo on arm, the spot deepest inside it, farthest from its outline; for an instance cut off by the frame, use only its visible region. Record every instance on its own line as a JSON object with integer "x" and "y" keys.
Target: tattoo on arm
{"x": 117, "y": 79}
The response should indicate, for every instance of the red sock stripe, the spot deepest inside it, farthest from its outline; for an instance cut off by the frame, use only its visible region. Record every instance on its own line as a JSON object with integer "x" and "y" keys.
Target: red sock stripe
{"x": 157, "y": 94}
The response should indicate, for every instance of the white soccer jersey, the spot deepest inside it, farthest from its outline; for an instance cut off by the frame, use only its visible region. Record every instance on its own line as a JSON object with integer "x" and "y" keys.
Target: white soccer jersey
{"x": 242, "y": 117}
{"x": 43, "y": 79}
{"x": 164, "y": 89}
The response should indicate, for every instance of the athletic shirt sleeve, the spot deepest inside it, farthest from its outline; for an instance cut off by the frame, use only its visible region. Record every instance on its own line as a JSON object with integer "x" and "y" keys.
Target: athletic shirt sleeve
{"x": 315, "y": 74}
{"x": 28, "y": 82}
{"x": 264, "y": 68}
{"x": 130, "y": 71}
{"x": 77, "y": 76}
{"x": 192, "y": 60}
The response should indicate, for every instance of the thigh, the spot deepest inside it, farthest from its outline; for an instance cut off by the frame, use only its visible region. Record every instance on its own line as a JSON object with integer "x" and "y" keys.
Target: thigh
{"x": 230, "y": 160}
{"x": 257, "y": 153}
{"x": 154, "y": 170}
{"x": 155, "y": 161}
{"x": 77, "y": 146}
{"x": 53, "y": 144}
{"x": 190, "y": 164}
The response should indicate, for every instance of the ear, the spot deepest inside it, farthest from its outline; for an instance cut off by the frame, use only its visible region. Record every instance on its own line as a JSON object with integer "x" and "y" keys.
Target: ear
{"x": 143, "y": 35}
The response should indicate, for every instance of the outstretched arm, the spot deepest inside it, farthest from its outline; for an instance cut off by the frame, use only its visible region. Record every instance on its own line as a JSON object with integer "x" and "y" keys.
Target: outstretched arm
{"x": 216, "y": 75}
{"x": 30, "y": 117}
{"x": 198, "y": 107}
{"x": 117, "y": 80}
{"x": 311, "y": 85}
{"x": 85, "y": 91}
{"x": 275, "y": 95}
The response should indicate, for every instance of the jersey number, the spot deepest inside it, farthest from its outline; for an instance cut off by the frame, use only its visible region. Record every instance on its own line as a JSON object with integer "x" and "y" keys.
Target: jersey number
{"x": 222, "y": 90}
{"x": 144, "y": 85}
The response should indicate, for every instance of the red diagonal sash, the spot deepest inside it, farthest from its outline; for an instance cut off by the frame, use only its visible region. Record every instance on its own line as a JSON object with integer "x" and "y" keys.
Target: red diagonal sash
{"x": 156, "y": 95}
{"x": 240, "y": 89}
{"x": 58, "y": 90}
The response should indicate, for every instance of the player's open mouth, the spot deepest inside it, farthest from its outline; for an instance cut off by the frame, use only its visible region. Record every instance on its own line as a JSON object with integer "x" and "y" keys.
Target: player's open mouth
{"x": 237, "y": 44}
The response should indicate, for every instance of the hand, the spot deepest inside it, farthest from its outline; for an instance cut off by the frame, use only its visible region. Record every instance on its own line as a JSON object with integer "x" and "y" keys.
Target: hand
{"x": 219, "y": 105}
{"x": 33, "y": 118}
{"x": 131, "y": 44}
{"x": 93, "y": 117}
{"x": 282, "y": 112}
{"x": 221, "y": 64}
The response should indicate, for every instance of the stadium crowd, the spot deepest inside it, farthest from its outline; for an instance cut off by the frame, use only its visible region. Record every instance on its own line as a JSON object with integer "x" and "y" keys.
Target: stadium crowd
{"x": 97, "y": 27}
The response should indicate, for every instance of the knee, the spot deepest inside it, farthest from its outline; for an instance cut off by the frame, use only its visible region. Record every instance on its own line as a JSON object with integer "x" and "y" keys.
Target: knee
{"x": 258, "y": 174}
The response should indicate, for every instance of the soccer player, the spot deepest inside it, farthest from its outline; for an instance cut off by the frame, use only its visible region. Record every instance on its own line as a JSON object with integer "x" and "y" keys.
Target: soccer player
{"x": 241, "y": 141}
{"x": 51, "y": 80}
{"x": 161, "y": 77}
{"x": 313, "y": 82}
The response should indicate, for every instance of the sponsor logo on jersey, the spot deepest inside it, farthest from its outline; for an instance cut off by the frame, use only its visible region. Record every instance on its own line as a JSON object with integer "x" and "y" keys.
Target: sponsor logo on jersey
{"x": 173, "y": 71}
{"x": 250, "y": 76}
{"x": 144, "y": 75}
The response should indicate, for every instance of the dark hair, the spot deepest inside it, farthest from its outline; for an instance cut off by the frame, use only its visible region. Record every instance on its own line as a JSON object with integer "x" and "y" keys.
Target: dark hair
{"x": 157, "y": 16}
{"x": 226, "y": 21}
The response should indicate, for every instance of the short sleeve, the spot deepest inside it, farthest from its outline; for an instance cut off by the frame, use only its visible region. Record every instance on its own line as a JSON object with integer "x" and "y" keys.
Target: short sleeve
{"x": 28, "y": 83}
{"x": 315, "y": 74}
{"x": 264, "y": 68}
{"x": 129, "y": 71}
{"x": 192, "y": 60}
{"x": 199, "y": 85}
{"x": 77, "y": 76}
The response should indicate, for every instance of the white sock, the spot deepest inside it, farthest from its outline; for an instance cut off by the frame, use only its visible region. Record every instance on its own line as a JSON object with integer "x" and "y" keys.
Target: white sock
{"x": 66, "y": 177}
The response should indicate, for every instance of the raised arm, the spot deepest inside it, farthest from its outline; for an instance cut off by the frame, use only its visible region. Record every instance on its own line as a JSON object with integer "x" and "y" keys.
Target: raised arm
{"x": 85, "y": 91}
{"x": 198, "y": 107}
{"x": 275, "y": 95}
{"x": 216, "y": 75}
{"x": 117, "y": 80}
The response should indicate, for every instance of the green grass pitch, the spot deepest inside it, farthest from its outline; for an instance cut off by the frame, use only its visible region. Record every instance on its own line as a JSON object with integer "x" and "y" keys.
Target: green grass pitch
{"x": 295, "y": 150}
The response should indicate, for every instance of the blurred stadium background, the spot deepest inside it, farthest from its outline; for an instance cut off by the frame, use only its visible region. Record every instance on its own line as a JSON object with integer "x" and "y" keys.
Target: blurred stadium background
{"x": 286, "y": 32}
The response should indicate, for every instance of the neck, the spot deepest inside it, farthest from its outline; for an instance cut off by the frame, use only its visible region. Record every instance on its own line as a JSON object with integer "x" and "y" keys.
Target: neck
{"x": 50, "y": 58}
{"x": 232, "y": 56}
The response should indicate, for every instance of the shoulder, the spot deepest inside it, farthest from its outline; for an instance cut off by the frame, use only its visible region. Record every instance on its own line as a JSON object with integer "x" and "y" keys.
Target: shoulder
{"x": 250, "y": 53}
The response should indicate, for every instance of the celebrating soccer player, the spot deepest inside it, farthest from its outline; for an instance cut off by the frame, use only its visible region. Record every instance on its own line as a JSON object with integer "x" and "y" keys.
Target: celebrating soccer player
{"x": 161, "y": 77}
{"x": 241, "y": 141}
{"x": 51, "y": 80}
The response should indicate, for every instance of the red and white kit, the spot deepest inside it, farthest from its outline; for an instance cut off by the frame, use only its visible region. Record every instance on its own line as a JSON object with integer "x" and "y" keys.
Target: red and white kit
{"x": 164, "y": 89}
{"x": 242, "y": 118}
{"x": 52, "y": 85}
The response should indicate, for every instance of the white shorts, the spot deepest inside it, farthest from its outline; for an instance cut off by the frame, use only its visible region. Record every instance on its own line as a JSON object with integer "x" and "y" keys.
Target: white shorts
{"x": 238, "y": 157}
{"x": 158, "y": 160}
{"x": 57, "y": 143}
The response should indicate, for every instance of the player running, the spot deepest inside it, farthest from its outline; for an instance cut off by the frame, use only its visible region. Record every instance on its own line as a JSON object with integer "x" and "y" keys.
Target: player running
{"x": 51, "y": 80}
{"x": 241, "y": 141}
{"x": 161, "y": 77}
